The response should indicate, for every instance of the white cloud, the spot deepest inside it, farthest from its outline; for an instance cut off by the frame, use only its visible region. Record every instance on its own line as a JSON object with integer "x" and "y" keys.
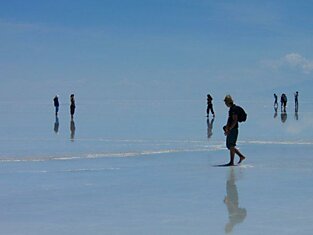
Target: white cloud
{"x": 297, "y": 61}
{"x": 293, "y": 61}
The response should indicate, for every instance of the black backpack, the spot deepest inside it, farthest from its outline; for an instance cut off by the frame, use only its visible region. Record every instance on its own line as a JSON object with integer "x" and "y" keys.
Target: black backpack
{"x": 242, "y": 115}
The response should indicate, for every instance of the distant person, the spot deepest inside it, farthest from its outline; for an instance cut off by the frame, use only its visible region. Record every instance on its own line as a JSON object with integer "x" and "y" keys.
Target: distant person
{"x": 72, "y": 106}
{"x": 236, "y": 214}
{"x": 231, "y": 130}
{"x": 283, "y": 102}
{"x": 210, "y": 127}
{"x": 275, "y": 101}
{"x": 296, "y": 102}
{"x": 56, "y": 104}
{"x": 209, "y": 106}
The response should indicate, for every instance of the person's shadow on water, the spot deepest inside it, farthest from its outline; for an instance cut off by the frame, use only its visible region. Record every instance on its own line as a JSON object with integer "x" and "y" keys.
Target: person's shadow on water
{"x": 72, "y": 128}
{"x": 56, "y": 125}
{"x": 236, "y": 214}
{"x": 283, "y": 117}
{"x": 210, "y": 127}
{"x": 275, "y": 109}
{"x": 296, "y": 116}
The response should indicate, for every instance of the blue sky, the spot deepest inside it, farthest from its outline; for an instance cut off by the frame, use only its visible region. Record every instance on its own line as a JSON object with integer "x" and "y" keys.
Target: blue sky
{"x": 155, "y": 49}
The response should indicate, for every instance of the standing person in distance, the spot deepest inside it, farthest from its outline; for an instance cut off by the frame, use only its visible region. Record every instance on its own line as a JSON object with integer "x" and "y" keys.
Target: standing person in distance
{"x": 56, "y": 104}
{"x": 283, "y": 101}
{"x": 209, "y": 106}
{"x": 231, "y": 130}
{"x": 296, "y": 101}
{"x": 275, "y": 101}
{"x": 72, "y": 106}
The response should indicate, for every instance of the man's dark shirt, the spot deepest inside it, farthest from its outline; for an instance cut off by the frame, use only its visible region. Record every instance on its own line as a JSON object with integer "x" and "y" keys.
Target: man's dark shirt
{"x": 232, "y": 110}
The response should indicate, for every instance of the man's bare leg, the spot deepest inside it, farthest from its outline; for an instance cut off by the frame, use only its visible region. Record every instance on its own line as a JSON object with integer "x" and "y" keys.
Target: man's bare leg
{"x": 232, "y": 152}
{"x": 240, "y": 155}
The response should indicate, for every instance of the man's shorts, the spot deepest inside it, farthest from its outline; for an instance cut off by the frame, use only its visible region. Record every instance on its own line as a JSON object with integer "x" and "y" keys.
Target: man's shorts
{"x": 231, "y": 138}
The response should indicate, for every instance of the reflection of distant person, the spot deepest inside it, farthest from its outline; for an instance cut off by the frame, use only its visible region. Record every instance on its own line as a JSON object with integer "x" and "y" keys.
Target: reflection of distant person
{"x": 231, "y": 130}
{"x": 209, "y": 106}
{"x": 210, "y": 127}
{"x": 283, "y": 117}
{"x": 275, "y": 114}
{"x": 72, "y": 128}
{"x": 56, "y": 104}
{"x": 56, "y": 124}
{"x": 72, "y": 106}
{"x": 275, "y": 101}
{"x": 236, "y": 214}
{"x": 283, "y": 102}
{"x": 296, "y": 102}
{"x": 296, "y": 116}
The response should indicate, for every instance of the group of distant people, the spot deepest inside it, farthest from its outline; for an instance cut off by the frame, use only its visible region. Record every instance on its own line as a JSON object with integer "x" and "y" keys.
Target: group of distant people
{"x": 234, "y": 116}
{"x": 72, "y": 105}
{"x": 72, "y": 111}
{"x": 283, "y": 102}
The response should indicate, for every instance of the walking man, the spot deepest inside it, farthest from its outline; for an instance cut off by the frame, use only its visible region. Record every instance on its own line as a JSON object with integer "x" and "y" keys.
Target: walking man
{"x": 231, "y": 130}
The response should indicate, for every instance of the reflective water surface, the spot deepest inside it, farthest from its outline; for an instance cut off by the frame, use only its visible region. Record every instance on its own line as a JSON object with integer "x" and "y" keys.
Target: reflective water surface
{"x": 146, "y": 167}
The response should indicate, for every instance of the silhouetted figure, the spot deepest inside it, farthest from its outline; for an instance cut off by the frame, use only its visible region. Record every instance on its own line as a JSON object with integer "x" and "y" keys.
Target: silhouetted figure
{"x": 275, "y": 101}
{"x": 283, "y": 102}
{"x": 56, "y": 104}
{"x": 275, "y": 114}
{"x": 72, "y": 106}
{"x": 283, "y": 117}
{"x": 56, "y": 124}
{"x": 209, "y": 106}
{"x": 210, "y": 127}
{"x": 231, "y": 131}
{"x": 296, "y": 116}
{"x": 72, "y": 128}
{"x": 296, "y": 102}
{"x": 236, "y": 214}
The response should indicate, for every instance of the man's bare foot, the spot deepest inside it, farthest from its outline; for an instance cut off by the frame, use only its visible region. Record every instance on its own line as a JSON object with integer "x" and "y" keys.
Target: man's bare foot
{"x": 229, "y": 164}
{"x": 241, "y": 159}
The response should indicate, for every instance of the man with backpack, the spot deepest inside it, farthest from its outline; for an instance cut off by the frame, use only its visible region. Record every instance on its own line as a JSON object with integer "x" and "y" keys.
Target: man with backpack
{"x": 235, "y": 114}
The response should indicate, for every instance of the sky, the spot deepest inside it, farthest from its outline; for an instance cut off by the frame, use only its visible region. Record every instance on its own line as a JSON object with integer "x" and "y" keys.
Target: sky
{"x": 149, "y": 49}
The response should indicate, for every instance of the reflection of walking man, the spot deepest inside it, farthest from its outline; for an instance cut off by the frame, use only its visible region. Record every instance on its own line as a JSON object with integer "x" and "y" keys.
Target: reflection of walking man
{"x": 236, "y": 214}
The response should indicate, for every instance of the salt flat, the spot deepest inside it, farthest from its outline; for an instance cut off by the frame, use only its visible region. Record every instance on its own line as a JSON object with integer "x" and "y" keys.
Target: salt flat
{"x": 153, "y": 171}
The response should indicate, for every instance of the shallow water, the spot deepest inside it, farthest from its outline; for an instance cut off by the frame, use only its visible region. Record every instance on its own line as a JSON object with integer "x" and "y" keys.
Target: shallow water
{"x": 148, "y": 167}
